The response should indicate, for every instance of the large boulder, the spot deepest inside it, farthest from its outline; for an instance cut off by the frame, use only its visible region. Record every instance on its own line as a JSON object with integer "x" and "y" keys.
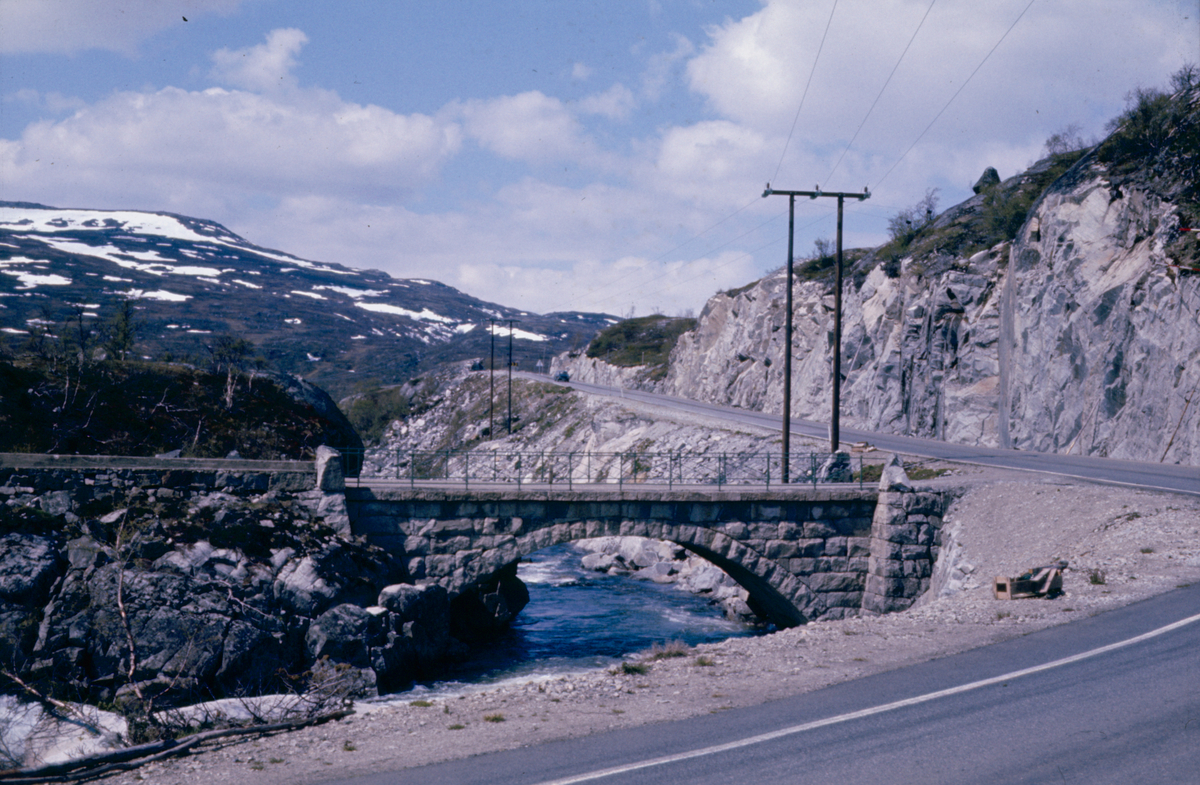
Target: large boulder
{"x": 336, "y": 430}
{"x": 340, "y": 634}
{"x": 29, "y": 565}
{"x": 416, "y": 638}
{"x": 488, "y": 608}
{"x": 989, "y": 178}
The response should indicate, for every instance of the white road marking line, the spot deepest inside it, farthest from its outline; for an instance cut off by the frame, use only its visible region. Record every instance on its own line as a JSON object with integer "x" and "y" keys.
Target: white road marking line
{"x": 931, "y": 696}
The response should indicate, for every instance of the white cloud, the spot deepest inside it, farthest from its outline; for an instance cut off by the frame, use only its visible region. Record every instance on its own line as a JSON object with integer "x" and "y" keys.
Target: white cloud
{"x": 206, "y": 151}
{"x": 716, "y": 162}
{"x": 615, "y": 103}
{"x": 755, "y": 69}
{"x": 262, "y": 68}
{"x": 53, "y": 102}
{"x": 1059, "y": 64}
{"x": 661, "y": 67}
{"x": 530, "y": 127}
{"x": 65, "y": 26}
{"x": 304, "y": 170}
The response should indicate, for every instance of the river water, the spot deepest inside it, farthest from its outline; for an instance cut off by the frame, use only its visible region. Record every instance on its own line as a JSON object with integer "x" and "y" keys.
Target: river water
{"x": 578, "y": 620}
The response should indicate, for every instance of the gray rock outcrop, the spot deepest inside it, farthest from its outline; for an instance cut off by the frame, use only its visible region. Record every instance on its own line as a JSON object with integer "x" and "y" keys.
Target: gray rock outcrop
{"x": 1077, "y": 335}
{"x": 113, "y": 591}
{"x": 986, "y": 180}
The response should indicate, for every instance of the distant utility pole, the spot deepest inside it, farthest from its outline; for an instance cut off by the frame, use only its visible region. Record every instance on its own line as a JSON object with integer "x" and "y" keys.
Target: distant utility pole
{"x": 492, "y": 383}
{"x": 834, "y": 424}
{"x": 511, "y": 322}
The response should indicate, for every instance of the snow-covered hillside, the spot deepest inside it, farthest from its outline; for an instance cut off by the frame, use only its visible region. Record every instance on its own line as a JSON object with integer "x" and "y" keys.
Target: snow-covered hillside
{"x": 192, "y": 280}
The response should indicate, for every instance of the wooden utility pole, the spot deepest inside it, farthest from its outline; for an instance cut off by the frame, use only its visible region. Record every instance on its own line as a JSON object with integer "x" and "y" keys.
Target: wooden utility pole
{"x": 834, "y": 423}
{"x": 511, "y": 322}
{"x": 492, "y": 383}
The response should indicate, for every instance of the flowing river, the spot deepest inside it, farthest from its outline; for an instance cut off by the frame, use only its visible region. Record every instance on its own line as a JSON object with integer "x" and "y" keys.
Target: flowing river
{"x": 577, "y": 620}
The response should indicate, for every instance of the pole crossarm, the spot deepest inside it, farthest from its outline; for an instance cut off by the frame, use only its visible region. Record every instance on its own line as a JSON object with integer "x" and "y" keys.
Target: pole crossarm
{"x": 859, "y": 195}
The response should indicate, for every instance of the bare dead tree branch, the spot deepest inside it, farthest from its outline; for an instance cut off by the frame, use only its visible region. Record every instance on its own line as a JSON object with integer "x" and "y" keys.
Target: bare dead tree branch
{"x": 129, "y": 758}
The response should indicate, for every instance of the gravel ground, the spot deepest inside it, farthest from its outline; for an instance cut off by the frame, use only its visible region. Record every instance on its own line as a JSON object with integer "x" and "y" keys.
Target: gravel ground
{"x": 1140, "y": 543}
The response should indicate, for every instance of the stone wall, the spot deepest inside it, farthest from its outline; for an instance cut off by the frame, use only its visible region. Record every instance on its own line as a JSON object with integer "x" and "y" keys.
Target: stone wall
{"x": 60, "y": 484}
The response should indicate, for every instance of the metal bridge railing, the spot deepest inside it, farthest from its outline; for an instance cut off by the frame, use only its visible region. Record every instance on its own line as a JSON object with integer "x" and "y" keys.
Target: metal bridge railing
{"x": 461, "y": 467}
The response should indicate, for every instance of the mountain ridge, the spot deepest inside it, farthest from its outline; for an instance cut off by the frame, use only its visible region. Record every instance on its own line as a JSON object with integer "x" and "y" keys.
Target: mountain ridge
{"x": 194, "y": 280}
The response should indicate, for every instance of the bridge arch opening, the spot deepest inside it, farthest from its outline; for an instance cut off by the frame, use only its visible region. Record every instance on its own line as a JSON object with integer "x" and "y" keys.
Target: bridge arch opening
{"x": 583, "y": 616}
{"x": 772, "y": 591}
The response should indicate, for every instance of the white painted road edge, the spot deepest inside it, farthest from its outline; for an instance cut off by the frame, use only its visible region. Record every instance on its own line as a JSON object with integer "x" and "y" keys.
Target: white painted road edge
{"x": 931, "y": 696}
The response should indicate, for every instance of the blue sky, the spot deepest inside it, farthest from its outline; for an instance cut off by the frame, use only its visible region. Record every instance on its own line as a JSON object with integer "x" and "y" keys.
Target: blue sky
{"x": 554, "y": 155}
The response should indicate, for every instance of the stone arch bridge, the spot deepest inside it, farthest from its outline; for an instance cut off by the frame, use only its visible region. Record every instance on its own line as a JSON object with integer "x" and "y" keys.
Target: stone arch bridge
{"x": 802, "y": 553}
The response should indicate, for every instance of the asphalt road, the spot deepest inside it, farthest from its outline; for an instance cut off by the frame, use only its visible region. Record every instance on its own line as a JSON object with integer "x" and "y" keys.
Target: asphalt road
{"x": 1168, "y": 477}
{"x": 1127, "y": 715}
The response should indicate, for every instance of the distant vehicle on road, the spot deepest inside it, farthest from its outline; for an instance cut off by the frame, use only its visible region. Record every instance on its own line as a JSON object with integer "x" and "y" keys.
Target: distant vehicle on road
{"x": 562, "y": 376}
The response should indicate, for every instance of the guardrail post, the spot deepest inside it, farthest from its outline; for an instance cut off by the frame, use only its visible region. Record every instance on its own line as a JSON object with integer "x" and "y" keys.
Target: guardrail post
{"x": 570, "y": 472}
{"x": 813, "y": 470}
{"x": 621, "y": 471}
{"x": 518, "y": 471}
{"x": 467, "y": 470}
{"x": 412, "y": 462}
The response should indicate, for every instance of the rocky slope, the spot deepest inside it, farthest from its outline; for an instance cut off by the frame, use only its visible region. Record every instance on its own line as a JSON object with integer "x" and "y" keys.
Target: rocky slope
{"x": 1071, "y": 327}
{"x": 450, "y": 410}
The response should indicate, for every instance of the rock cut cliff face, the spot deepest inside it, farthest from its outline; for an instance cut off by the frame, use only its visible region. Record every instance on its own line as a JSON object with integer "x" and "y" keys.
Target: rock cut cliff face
{"x": 1078, "y": 331}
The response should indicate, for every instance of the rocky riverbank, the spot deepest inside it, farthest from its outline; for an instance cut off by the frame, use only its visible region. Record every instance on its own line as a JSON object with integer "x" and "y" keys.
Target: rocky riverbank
{"x": 1122, "y": 546}
{"x": 146, "y": 589}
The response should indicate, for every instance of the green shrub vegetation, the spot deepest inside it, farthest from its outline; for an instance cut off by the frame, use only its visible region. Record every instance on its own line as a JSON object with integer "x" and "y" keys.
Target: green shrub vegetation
{"x": 1156, "y": 141}
{"x": 372, "y": 412}
{"x": 144, "y": 408}
{"x": 646, "y": 340}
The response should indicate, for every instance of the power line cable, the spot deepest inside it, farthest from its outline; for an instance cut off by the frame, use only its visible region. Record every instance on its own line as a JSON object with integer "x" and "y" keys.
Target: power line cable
{"x": 829, "y": 178}
{"x": 663, "y": 255}
{"x": 752, "y": 251}
{"x": 804, "y": 95}
{"x": 869, "y": 111}
{"x": 690, "y": 261}
{"x": 956, "y": 93}
{"x": 782, "y": 155}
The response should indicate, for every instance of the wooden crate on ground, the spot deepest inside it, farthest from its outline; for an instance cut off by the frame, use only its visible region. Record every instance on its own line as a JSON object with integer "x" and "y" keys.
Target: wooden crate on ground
{"x": 1037, "y": 582}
